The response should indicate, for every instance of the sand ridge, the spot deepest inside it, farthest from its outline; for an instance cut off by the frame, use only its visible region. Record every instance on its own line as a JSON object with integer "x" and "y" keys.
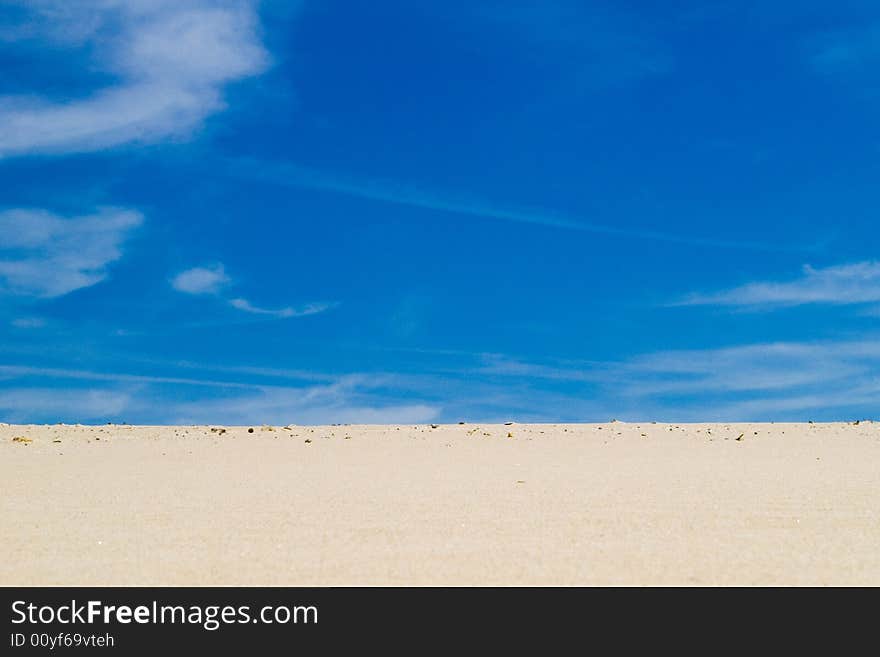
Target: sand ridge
{"x": 462, "y": 504}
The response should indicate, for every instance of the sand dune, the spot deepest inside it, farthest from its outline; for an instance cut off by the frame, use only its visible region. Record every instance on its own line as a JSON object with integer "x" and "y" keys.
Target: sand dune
{"x": 453, "y": 505}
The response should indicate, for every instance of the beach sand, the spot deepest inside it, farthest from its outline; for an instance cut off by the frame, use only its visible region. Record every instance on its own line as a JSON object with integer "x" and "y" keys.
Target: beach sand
{"x": 468, "y": 504}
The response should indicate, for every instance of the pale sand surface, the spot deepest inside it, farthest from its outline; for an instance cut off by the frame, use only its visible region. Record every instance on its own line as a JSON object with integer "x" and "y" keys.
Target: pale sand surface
{"x": 456, "y": 505}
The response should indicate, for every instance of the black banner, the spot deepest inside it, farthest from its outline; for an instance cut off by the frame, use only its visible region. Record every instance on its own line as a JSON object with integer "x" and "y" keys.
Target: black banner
{"x": 147, "y": 620}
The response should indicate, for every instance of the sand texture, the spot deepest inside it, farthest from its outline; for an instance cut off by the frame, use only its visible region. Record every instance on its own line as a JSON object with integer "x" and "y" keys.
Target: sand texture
{"x": 453, "y": 505}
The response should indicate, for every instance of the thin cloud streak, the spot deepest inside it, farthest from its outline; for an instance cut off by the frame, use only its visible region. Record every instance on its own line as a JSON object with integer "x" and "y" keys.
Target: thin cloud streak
{"x": 86, "y": 375}
{"x": 351, "y": 398}
{"x": 848, "y": 284}
{"x": 391, "y": 192}
{"x": 29, "y": 404}
{"x": 753, "y": 382}
{"x": 319, "y": 405}
{"x": 346, "y": 381}
{"x": 281, "y": 313}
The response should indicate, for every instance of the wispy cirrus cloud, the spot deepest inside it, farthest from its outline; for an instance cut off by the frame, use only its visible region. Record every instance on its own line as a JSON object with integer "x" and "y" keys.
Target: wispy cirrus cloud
{"x": 772, "y": 381}
{"x": 288, "y": 311}
{"x": 503, "y": 365}
{"x": 753, "y": 382}
{"x": 348, "y": 398}
{"x": 822, "y": 380}
{"x": 387, "y": 191}
{"x": 332, "y": 404}
{"x": 213, "y": 280}
{"x": 753, "y": 368}
{"x": 170, "y": 60}
{"x": 16, "y": 371}
{"x": 34, "y": 404}
{"x": 46, "y": 255}
{"x": 856, "y": 283}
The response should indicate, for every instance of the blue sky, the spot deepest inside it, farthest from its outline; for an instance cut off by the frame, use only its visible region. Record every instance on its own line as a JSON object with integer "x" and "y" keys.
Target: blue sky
{"x": 235, "y": 211}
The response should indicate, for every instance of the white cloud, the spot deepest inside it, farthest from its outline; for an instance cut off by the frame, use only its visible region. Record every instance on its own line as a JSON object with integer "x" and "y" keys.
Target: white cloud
{"x": 844, "y": 284}
{"x": 771, "y": 381}
{"x": 765, "y": 381}
{"x": 756, "y": 368}
{"x": 352, "y": 398}
{"x": 797, "y": 381}
{"x": 248, "y": 307}
{"x": 309, "y": 309}
{"x": 506, "y": 366}
{"x": 212, "y": 280}
{"x": 54, "y": 404}
{"x": 45, "y": 255}
{"x": 315, "y": 405}
{"x": 16, "y": 371}
{"x": 201, "y": 280}
{"x": 170, "y": 59}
